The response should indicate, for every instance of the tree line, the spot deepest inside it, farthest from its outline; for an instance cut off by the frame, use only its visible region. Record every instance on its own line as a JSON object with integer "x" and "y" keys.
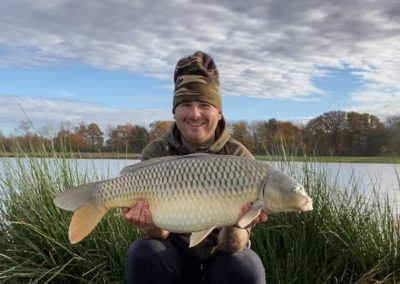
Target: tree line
{"x": 335, "y": 133}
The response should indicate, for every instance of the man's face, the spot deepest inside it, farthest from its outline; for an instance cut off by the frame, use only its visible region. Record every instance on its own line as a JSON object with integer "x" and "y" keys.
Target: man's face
{"x": 197, "y": 122}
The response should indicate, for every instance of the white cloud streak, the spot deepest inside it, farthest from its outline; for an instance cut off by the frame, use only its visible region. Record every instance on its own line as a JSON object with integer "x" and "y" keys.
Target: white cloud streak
{"x": 50, "y": 113}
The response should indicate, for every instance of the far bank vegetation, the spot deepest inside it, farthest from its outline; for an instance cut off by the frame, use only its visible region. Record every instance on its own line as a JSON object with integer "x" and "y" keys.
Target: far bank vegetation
{"x": 335, "y": 133}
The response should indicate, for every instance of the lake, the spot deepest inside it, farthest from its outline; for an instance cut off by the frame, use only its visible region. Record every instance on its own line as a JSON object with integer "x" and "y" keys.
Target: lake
{"x": 382, "y": 177}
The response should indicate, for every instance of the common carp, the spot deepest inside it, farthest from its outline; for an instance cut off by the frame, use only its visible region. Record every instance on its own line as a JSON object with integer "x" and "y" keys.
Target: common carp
{"x": 187, "y": 194}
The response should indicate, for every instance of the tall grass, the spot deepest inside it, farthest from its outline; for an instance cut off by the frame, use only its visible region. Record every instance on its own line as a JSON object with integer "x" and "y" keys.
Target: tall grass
{"x": 33, "y": 242}
{"x": 351, "y": 236}
{"x": 348, "y": 238}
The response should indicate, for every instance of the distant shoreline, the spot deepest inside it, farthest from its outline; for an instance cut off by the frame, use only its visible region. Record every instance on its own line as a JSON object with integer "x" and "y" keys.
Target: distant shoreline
{"x": 132, "y": 156}
{"x": 333, "y": 159}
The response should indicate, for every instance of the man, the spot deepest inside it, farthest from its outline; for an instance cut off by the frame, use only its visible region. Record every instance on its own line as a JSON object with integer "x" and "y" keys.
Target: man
{"x": 224, "y": 256}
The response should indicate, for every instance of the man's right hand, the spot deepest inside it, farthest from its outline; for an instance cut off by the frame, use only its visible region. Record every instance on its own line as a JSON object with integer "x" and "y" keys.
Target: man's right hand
{"x": 140, "y": 216}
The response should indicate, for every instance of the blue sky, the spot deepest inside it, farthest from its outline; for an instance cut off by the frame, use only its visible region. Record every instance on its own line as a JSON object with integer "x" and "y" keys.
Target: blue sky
{"x": 112, "y": 62}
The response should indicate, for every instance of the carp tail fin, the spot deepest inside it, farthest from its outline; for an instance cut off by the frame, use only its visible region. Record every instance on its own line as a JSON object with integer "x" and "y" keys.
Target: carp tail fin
{"x": 87, "y": 213}
{"x": 74, "y": 198}
{"x": 84, "y": 220}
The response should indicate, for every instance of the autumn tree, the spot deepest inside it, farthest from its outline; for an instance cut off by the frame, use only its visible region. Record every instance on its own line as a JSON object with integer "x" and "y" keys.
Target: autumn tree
{"x": 92, "y": 135}
{"x": 325, "y": 133}
{"x": 272, "y": 135}
{"x": 81, "y": 130}
{"x": 24, "y": 133}
{"x": 263, "y": 134}
{"x": 333, "y": 133}
{"x": 128, "y": 138}
{"x": 27, "y": 138}
{"x": 241, "y": 132}
{"x": 342, "y": 133}
{"x": 393, "y": 141}
{"x": 139, "y": 139}
{"x": 292, "y": 137}
{"x": 5, "y": 142}
{"x": 366, "y": 134}
{"x": 119, "y": 137}
{"x": 158, "y": 129}
{"x": 254, "y": 137}
{"x": 67, "y": 140}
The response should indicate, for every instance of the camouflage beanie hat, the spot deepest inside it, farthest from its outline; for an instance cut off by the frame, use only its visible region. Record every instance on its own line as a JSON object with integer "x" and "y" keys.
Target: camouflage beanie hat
{"x": 196, "y": 79}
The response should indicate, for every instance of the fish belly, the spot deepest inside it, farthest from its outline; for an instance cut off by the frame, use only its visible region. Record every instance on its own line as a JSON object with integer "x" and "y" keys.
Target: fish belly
{"x": 193, "y": 215}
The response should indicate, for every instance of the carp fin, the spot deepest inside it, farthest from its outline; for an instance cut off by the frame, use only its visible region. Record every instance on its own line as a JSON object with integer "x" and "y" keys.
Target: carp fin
{"x": 87, "y": 213}
{"x": 197, "y": 237}
{"x": 74, "y": 198}
{"x": 84, "y": 221}
{"x": 246, "y": 220}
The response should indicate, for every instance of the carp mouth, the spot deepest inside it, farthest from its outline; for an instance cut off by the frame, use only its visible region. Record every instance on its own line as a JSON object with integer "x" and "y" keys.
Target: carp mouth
{"x": 307, "y": 205}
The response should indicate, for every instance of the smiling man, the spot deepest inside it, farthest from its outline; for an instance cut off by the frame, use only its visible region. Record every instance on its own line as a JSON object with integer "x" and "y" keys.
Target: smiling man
{"x": 197, "y": 122}
{"x": 224, "y": 256}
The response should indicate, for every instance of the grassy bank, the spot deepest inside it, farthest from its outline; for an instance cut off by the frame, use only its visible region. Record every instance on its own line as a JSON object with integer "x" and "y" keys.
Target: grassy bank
{"x": 133, "y": 156}
{"x": 344, "y": 240}
{"x": 87, "y": 155}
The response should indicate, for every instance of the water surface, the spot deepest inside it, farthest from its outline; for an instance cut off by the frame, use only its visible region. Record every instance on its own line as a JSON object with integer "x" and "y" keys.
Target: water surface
{"x": 383, "y": 178}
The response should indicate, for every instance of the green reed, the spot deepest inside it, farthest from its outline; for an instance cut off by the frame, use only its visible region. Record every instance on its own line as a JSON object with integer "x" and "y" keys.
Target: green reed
{"x": 349, "y": 237}
{"x": 33, "y": 242}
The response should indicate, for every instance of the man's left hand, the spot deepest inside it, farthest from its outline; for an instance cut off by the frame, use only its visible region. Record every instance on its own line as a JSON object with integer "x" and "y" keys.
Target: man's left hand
{"x": 262, "y": 217}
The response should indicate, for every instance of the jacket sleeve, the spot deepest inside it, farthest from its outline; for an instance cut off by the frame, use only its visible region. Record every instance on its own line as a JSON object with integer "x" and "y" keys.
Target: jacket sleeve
{"x": 152, "y": 150}
{"x": 235, "y": 148}
{"x": 157, "y": 148}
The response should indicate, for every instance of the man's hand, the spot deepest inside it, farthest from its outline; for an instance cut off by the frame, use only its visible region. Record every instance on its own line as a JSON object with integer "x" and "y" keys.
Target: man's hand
{"x": 233, "y": 238}
{"x": 140, "y": 216}
{"x": 262, "y": 217}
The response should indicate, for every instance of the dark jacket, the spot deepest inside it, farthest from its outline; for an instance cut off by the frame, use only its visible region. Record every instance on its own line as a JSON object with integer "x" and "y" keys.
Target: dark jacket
{"x": 170, "y": 145}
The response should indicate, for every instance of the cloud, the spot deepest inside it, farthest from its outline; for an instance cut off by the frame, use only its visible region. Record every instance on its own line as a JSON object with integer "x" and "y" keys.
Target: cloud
{"x": 264, "y": 49}
{"x": 381, "y": 102}
{"x": 50, "y": 113}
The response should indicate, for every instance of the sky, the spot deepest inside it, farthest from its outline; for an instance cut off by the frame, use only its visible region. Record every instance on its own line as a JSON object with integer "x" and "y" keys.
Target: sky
{"x": 64, "y": 62}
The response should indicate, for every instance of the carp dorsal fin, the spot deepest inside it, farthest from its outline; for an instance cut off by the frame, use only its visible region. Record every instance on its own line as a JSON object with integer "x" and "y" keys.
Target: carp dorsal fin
{"x": 246, "y": 220}
{"x": 197, "y": 237}
{"x": 146, "y": 163}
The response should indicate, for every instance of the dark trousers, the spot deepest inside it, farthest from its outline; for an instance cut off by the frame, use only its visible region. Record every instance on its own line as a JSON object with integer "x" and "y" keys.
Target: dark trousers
{"x": 163, "y": 261}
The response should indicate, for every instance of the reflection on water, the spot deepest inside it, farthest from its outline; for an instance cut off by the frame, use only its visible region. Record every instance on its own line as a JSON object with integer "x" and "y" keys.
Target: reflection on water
{"x": 381, "y": 179}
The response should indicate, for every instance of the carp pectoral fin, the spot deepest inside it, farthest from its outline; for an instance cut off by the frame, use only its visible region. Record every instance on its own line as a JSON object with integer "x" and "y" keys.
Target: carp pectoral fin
{"x": 84, "y": 221}
{"x": 197, "y": 237}
{"x": 249, "y": 217}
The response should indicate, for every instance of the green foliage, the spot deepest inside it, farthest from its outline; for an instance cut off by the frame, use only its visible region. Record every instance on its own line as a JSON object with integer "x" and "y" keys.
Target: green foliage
{"x": 339, "y": 133}
{"x": 334, "y": 133}
{"x": 349, "y": 237}
{"x": 33, "y": 242}
{"x": 346, "y": 239}
{"x": 128, "y": 138}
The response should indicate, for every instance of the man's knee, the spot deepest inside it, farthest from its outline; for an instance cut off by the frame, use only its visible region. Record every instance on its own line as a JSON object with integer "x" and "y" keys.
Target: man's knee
{"x": 143, "y": 247}
{"x": 241, "y": 267}
{"x": 159, "y": 261}
{"x": 143, "y": 257}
